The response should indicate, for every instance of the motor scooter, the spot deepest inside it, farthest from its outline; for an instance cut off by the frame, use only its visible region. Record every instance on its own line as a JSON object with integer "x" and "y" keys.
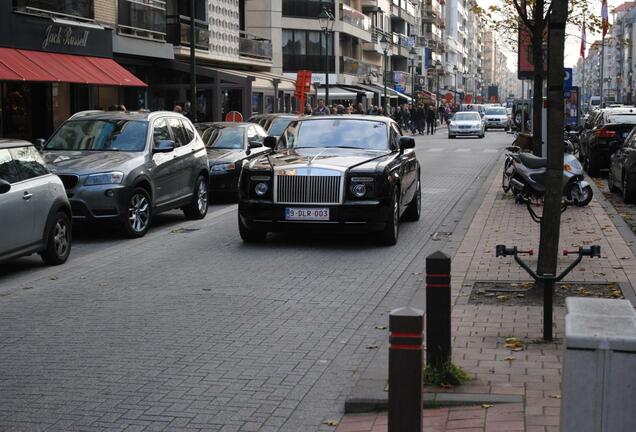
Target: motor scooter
{"x": 525, "y": 174}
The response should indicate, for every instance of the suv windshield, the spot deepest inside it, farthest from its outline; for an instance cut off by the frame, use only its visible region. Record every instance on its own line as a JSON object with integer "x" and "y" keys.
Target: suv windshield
{"x": 362, "y": 134}
{"x": 100, "y": 135}
{"x": 496, "y": 111}
{"x": 227, "y": 138}
{"x": 278, "y": 126}
{"x": 467, "y": 116}
{"x": 622, "y": 118}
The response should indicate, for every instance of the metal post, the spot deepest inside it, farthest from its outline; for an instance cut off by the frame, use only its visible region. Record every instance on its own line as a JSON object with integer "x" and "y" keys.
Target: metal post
{"x": 327, "y": 68}
{"x": 405, "y": 370}
{"x": 384, "y": 102}
{"x": 602, "y": 67}
{"x": 438, "y": 310}
{"x": 548, "y": 289}
{"x": 193, "y": 66}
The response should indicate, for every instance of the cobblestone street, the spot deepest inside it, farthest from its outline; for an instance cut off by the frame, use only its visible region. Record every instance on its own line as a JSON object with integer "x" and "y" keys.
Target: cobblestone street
{"x": 190, "y": 329}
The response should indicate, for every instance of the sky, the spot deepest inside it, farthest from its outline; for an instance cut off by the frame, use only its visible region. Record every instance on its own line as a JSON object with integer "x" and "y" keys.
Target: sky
{"x": 572, "y": 42}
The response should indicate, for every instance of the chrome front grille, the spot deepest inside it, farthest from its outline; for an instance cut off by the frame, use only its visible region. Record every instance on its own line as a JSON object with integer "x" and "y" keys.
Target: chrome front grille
{"x": 308, "y": 189}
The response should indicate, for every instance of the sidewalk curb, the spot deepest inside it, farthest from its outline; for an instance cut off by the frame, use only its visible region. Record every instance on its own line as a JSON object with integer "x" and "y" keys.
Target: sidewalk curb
{"x": 368, "y": 394}
{"x": 623, "y": 229}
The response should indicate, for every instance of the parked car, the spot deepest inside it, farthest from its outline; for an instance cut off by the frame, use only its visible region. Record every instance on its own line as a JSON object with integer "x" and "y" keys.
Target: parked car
{"x": 126, "y": 167}
{"x": 274, "y": 124}
{"x": 605, "y": 126}
{"x": 34, "y": 209}
{"x": 622, "y": 170}
{"x": 466, "y": 123}
{"x": 353, "y": 173}
{"x": 496, "y": 118}
{"x": 229, "y": 145}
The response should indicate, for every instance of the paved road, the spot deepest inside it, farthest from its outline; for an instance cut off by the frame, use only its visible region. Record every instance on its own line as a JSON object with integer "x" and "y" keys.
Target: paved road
{"x": 192, "y": 329}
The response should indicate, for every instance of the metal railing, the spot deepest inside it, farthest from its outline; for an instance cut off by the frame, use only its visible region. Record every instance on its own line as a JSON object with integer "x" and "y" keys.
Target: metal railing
{"x": 145, "y": 20}
{"x": 178, "y": 29}
{"x": 355, "y": 17}
{"x": 358, "y": 68}
{"x": 251, "y": 45}
{"x": 82, "y": 10}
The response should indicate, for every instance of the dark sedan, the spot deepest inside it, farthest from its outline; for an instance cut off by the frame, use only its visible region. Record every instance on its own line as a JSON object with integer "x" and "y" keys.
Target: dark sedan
{"x": 622, "y": 171}
{"x": 228, "y": 146}
{"x": 353, "y": 173}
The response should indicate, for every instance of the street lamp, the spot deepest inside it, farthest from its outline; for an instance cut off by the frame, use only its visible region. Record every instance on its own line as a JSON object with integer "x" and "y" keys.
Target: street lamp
{"x": 438, "y": 69}
{"x": 413, "y": 53}
{"x": 631, "y": 87}
{"x": 455, "y": 82}
{"x": 384, "y": 42}
{"x": 327, "y": 21}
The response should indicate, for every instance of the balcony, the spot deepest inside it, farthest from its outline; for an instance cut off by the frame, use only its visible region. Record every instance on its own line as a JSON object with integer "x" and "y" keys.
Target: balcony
{"x": 403, "y": 9}
{"x": 255, "y": 47}
{"x": 178, "y": 32}
{"x": 360, "y": 69}
{"x": 315, "y": 63}
{"x": 355, "y": 18}
{"x": 305, "y": 9}
{"x": 142, "y": 20}
{"x": 75, "y": 9}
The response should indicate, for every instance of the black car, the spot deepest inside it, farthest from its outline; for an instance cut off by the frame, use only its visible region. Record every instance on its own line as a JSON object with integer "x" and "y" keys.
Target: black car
{"x": 353, "y": 173}
{"x": 622, "y": 171}
{"x": 608, "y": 125}
{"x": 228, "y": 146}
{"x": 274, "y": 124}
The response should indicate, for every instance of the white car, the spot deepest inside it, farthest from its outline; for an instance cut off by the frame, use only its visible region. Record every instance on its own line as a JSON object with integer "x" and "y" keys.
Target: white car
{"x": 466, "y": 123}
{"x": 497, "y": 118}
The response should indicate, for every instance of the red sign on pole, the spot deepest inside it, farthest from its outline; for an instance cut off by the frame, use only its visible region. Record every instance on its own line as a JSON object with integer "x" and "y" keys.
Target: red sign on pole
{"x": 468, "y": 99}
{"x": 493, "y": 99}
{"x": 303, "y": 86}
{"x": 234, "y": 116}
{"x": 448, "y": 97}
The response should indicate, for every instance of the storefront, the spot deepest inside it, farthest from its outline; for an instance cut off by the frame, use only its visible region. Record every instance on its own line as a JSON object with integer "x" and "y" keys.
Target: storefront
{"x": 51, "y": 68}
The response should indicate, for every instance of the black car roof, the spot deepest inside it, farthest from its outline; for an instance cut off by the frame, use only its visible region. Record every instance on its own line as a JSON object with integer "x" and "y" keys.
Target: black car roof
{"x": 11, "y": 143}
{"x": 220, "y": 125}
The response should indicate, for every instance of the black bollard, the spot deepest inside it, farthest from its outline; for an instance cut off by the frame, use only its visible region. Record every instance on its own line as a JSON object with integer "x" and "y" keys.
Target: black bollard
{"x": 405, "y": 370}
{"x": 438, "y": 310}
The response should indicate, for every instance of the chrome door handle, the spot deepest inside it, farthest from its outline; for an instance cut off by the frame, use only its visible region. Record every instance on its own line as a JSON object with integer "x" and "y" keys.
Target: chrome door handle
{"x": 27, "y": 196}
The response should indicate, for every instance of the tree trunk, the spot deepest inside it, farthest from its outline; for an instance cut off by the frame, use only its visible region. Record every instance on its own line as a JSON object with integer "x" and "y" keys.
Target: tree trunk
{"x": 550, "y": 225}
{"x": 537, "y": 89}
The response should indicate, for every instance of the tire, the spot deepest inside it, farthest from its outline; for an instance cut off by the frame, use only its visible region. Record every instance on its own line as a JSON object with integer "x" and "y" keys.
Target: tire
{"x": 581, "y": 199}
{"x": 610, "y": 181}
{"x": 414, "y": 209}
{"x": 506, "y": 177}
{"x": 389, "y": 236}
{"x": 481, "y": 136}
{"x": 249, "y": 235}
{"x": 139, "y": 214}
{"x": 628, "y": 189}
{"x": 198, "y": 208}
{"x": 506, "y": 129}
{"x": 58, "y": 241}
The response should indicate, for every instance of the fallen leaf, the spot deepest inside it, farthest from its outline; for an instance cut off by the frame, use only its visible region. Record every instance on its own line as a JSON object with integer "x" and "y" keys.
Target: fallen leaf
{"x": 489, "y": 295}
{"x": 380, "y": 327}
{"x": 370, "y": 347}
{"x": 330, "y": 422}
{"x": 555, "y": 396}
{"x": 53, "y": 278}
{"x": 510, "y": 358}
{"x": 435, "y": 237}
{"x": 386, "y": 387}
{"x": 502, "y": 297}
{"x": 446, "y": 386}
{"x": 486, "y": 406}
{"x": 514, "y": 344}
{"x": 527, "y": 284}
{"x": 521, "y": 295}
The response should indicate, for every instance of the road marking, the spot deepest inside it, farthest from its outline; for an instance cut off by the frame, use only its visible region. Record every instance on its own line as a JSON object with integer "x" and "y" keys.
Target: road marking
{"x": 436, "y": 149}
{"x": 462, "y": 150}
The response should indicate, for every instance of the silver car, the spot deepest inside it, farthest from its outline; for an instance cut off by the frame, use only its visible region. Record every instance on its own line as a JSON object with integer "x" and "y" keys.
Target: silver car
{"x": 35, "y": 213}
{"x": 497, "y": 118}
{"x": 466, "y": 123}
{"x": 125, "y": 167}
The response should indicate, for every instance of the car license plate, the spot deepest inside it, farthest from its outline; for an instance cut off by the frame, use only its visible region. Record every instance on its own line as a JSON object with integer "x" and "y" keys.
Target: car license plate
{"x": 307, "y": 214}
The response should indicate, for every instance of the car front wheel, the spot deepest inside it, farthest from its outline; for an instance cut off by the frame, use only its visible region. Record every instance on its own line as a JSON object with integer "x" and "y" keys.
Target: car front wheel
{"x": 58, "y": 241}
{"x": 389, "y": 236}
{"x": 139, "y": 214}
{"x": 198, "y": 208}
{"x": 414, "y": 209}
{"x": 249, "y": 235}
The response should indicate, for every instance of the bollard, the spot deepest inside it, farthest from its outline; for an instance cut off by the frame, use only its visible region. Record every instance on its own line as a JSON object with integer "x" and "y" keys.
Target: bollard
{"x": 438, "y": 310}
{"x": 405, "y": 370}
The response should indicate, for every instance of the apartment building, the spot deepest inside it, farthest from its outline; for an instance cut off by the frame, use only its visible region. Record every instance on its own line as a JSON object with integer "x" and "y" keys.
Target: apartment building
{"x": 432, "y": 42}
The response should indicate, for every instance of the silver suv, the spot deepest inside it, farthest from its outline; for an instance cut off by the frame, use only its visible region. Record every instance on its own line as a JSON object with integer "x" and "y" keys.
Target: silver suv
{"x": 35, "y": 215}
{"x": 128, "y": 166}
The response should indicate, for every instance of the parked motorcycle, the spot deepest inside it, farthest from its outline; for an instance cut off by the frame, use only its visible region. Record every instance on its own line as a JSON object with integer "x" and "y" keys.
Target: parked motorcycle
{"x": 524, "y": 174}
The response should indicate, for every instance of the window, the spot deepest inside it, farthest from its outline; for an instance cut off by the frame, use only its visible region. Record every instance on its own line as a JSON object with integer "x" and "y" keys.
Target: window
{"x": 100, "y": 135}
{"x": 28, "y": 162}
{"x": 363, "y": 134}
{"x": 306, "y": 9}
{"x": 306, "y": 50}
{"x": 160, "y": 132}
{"x": 7, "y": 168}
{"x": 78, "y": 8}
{"x": 189, "y": 130}
{"x": 177, "y": 132}
{"x": 143, "y": 19}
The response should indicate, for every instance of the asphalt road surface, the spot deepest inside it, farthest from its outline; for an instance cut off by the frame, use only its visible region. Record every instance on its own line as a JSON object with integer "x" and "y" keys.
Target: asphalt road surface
{"x": 190, "y": 329}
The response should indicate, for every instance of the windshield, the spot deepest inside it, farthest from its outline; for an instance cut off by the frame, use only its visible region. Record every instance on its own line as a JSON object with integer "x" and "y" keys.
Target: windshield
{"x": 496, "y": 111}
{"x": 622, "y": 118}
{"x": 467, "y": 116}
{"x": 278, "y": 126}
{"x": 100, "y": 135}
{"x": 362, "y": 134}
{"x": 227, "y": 138}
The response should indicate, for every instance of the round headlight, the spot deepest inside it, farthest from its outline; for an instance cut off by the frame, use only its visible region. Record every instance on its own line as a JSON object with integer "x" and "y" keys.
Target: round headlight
{"x": 261, "y": 188}
{"x": 359, "y": 190}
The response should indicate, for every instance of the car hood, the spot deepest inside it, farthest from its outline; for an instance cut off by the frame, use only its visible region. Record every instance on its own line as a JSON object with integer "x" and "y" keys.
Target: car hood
{"x": 335, "y": 157}
{"x": 216, "y": 156}
{"x": 466, "y": 123}
{"x": 87, "y": 162}
{"x": 496, "y": 117}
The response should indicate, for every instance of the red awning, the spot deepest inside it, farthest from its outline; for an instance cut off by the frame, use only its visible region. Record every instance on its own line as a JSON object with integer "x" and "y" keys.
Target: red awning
{"x": 39, "y": 66}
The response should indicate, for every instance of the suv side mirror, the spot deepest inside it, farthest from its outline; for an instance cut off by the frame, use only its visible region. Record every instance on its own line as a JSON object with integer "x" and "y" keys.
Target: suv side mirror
{"x": 270, "y": 142}
{"x": 5, "y": 186}
{"x": 39, "y": 143}
{"x": 255, "y": 144}
{"x": 164, "y": 146}
{"x": 406, "y": 143}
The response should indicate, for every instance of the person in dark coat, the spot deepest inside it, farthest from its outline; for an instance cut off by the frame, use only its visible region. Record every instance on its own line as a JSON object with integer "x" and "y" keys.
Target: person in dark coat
{"x": 430, "y": 120}
{"x": 421, "y": 119}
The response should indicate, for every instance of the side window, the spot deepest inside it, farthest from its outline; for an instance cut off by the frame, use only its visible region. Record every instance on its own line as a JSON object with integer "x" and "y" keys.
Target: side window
{"x": 7, "y": 167}
{"x": 28, "y": 162}
{"x": 178, "y": 132}
{"x": 189, "y": 130}
{"x": 160, "y": 131}
{"x": 252, "y": 135}
{"x": 394, "y": 139}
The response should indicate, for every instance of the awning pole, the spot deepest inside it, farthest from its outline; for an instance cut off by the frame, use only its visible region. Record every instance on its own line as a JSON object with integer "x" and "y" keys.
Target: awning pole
{"x": 193, "y": 66}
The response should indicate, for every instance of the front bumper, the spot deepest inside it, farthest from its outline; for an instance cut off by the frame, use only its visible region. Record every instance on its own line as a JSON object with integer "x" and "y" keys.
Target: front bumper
{"x": 350, "y": 217}
{"x": 465, "y": 132}
{"x": 100, "y": 202}
{"x": 224, "y": 183}
{"x": 497, "y": 124}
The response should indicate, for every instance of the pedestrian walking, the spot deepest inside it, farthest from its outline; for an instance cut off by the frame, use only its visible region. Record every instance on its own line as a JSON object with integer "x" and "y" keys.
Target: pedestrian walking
{"x": 359, "y": 109}
{"x": 431, "y": 120}
{"x": 421, "y": 119}
{"x": 308, "y": 111}
{"x": 414, "y": 119}
{"x": 321, "y": 109}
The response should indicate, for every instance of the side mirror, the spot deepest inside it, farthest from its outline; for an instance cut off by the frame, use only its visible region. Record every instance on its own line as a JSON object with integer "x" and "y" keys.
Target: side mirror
{"x": 255, "y": 144}
{"x": 39, "y": 143}
{"x": 406, "y": 143}
{"x": 164, "y": 146}
{"x": 270, "y": 142}
{"x": 5, "y": 186}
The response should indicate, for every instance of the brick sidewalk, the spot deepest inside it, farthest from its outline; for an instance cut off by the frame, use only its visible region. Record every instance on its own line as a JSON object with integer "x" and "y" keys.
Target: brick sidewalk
{"x": 479, "y": 331}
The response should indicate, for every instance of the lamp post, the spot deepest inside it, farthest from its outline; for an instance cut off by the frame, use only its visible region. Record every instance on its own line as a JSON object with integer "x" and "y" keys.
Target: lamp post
{"x": 384, "y": 42}
{"x": 438, "y": 70}
{"x": 455, "y": 82}
{"x": 327, "y": 21}
{"x": 630, "y": 87}
{"x": 413, "y": 53}
{"x": 193, "y": 65}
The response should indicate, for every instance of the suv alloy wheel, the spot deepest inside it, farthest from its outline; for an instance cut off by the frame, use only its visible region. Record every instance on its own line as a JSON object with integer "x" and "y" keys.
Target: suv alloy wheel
{"x": 58, "y": 241}
{"x": 198, "y": 208}
{"x": 139, "y": 215}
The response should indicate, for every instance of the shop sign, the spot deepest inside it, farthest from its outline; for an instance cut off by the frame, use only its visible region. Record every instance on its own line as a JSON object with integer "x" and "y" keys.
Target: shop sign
{"x": 65, "y": 36}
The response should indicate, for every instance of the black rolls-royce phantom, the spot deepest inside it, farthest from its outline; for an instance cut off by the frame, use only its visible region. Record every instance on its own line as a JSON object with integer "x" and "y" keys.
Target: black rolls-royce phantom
{"x": 348, "y": 173}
